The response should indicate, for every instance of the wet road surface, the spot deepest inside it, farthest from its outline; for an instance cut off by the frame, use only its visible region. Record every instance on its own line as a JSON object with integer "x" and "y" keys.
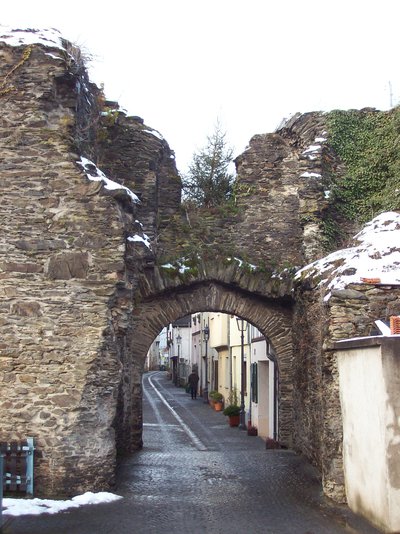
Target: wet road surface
{"x": 196, "y": 475}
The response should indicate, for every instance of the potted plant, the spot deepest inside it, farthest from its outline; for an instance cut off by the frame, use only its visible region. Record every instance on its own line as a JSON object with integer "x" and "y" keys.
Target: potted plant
{"x": 218, "y": 401}
{"x": 233, "y": 413}
{"x": 211, "y": 399}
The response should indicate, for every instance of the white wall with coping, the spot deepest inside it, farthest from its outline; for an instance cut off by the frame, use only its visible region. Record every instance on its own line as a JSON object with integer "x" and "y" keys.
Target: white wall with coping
{"x": 263, "y": 411}
{"x": 369, "y": 380}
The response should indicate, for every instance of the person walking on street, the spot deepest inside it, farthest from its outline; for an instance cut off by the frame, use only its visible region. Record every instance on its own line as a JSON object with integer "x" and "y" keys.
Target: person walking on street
{"x": 193, "y": 380}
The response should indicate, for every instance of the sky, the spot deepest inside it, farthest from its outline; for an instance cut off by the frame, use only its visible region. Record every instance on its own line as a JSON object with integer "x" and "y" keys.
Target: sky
{"x": 183, "y": 65}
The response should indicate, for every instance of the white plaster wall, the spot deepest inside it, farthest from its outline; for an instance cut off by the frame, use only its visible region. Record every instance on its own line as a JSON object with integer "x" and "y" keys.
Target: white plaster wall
{"x": 218, "y": 329}
{"x": 367, "y": 429}
{"x": 271, "y": 399}
{"x": 263, "y": 411}
{"x": 186, "y": 344}
{"x": 263, "y": 399}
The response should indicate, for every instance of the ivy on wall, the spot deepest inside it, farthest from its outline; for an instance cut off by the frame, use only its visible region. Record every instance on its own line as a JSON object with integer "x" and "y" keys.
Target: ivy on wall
{"x": 368, "y": 142}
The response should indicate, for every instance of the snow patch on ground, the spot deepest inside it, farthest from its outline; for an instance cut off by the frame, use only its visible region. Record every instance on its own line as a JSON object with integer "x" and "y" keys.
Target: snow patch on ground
{"x": 16, "y": 507}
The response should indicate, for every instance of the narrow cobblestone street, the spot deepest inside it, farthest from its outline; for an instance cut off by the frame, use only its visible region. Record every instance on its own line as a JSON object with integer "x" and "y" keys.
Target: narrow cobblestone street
{"x": 196, "y": 474}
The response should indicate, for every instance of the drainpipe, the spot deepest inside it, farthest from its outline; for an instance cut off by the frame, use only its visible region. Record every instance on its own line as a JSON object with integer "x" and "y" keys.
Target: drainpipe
{"x": 230, "y": 354}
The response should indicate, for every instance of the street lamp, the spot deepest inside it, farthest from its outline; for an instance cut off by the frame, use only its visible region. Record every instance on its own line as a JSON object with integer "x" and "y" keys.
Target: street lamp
{"x": 206, "y": 334}
{"x": 242, "y": 327}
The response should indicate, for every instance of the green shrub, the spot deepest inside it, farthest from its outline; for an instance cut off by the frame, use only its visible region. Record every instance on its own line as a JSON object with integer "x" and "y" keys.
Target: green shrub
{"x": 216, "y": 396}
{"x": 232, "y": 410}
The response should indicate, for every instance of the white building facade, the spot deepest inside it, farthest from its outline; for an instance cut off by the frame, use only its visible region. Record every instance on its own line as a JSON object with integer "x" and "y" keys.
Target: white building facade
{"x": 211, "y": 344}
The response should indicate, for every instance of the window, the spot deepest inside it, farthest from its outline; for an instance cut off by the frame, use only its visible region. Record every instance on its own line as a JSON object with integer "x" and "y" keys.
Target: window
{"x": 254, "y": 382}
{"x": 244, "y": 371}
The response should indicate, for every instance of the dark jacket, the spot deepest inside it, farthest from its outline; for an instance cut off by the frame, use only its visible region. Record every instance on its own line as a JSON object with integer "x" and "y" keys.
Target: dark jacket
{"x": 193, "y": 379}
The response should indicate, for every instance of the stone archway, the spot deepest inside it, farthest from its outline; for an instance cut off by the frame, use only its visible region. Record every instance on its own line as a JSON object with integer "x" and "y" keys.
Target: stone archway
{"x": 273, "y": 317}
{"x": 83, "y": 280}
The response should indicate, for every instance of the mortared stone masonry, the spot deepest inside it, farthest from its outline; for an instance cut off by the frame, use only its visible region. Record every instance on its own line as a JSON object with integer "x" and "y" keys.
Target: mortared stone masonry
{"x": 85, "y": 282}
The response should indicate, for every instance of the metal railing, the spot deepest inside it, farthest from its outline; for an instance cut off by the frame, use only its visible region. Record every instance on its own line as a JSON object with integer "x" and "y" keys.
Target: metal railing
{"x": 17, "y": 466}
{"x": 1, "y": 489}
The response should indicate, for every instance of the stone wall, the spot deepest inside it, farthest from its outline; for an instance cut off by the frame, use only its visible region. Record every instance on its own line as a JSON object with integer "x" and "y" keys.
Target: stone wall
{"x": 63, "y": 264}
{"x": 278, "y": 217}
{"x": 57, "y": 247}
{"x": 318, "y": 325}
{"x": 84, "y": 290}
{"x": 72, "y": 283}
{"x": 283, "y": 178}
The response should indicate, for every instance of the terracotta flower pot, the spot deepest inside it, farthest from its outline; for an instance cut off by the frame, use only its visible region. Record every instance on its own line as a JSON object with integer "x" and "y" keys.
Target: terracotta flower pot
{"x": 218, "y": 406}
{"x": 234, "y": 420}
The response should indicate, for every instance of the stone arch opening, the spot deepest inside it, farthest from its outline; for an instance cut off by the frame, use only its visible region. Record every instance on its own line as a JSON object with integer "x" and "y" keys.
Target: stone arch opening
{"x": 272, "y": 316}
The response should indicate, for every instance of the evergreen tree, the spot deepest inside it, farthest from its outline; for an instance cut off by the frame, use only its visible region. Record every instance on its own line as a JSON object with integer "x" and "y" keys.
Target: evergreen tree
{"x": 208, "y": 182}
